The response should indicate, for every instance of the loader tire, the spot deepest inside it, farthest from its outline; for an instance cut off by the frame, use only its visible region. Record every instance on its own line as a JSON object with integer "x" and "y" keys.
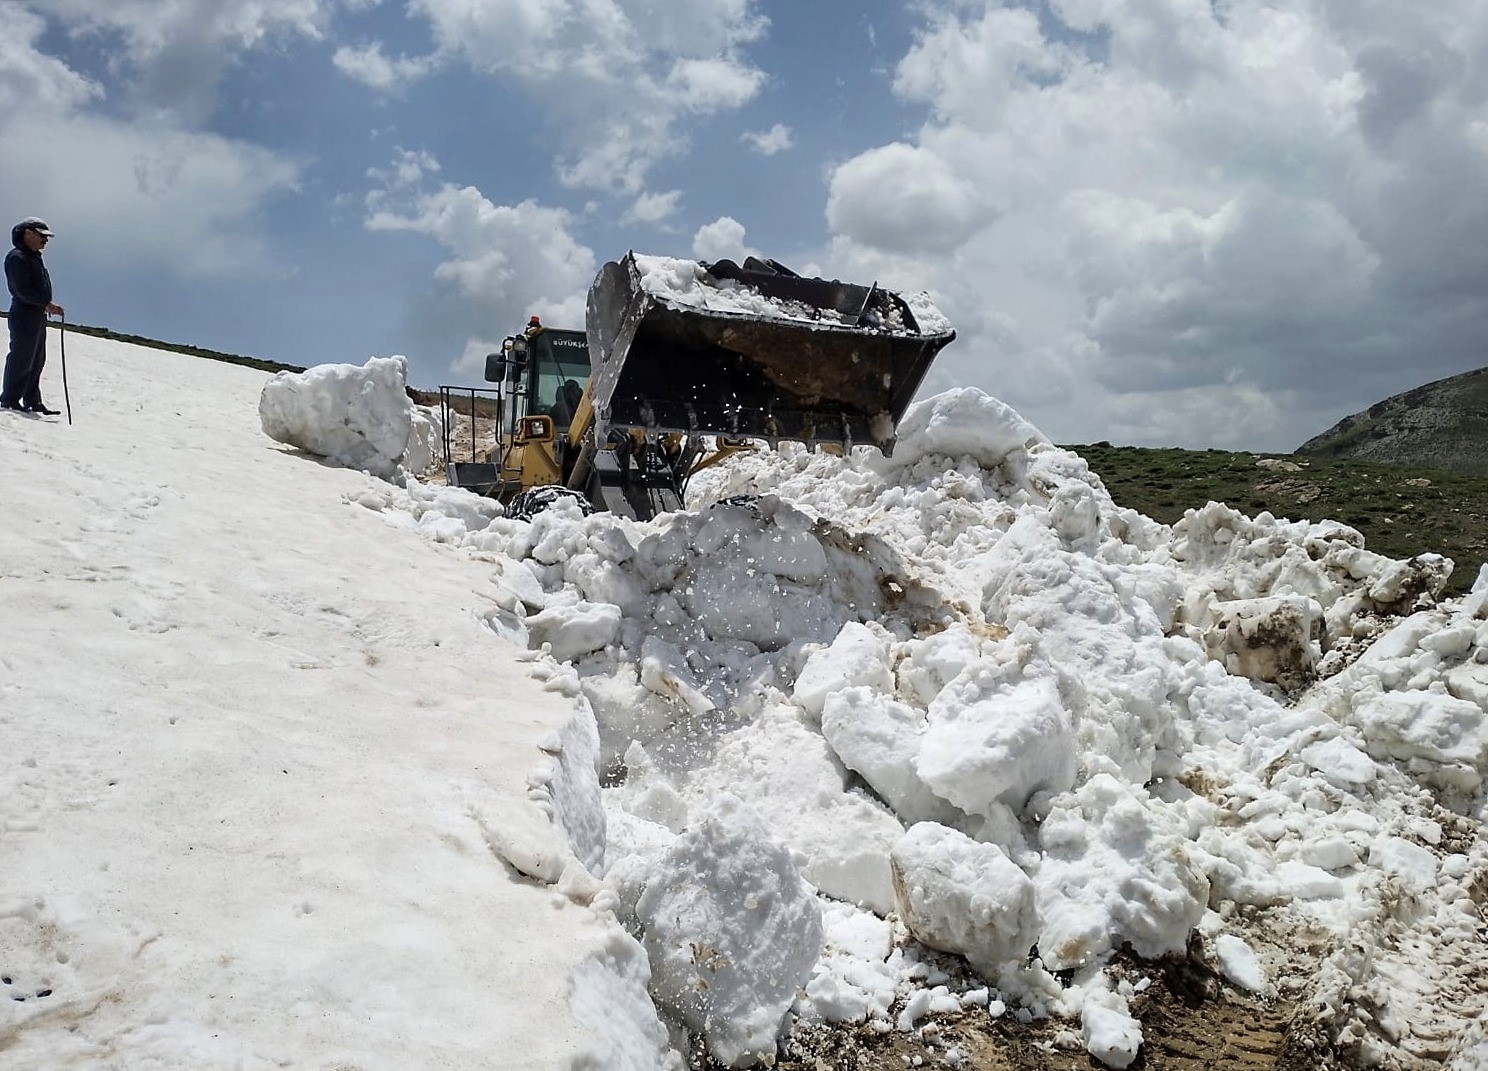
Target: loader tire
{"x": 534, "y": 500}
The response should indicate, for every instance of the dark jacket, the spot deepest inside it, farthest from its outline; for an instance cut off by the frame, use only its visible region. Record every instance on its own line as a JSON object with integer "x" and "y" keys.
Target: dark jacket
{"x": 26, "y": 275}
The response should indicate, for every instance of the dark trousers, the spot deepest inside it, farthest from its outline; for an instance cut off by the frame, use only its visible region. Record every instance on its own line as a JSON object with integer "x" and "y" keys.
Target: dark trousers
{"x": 27, "y": 358}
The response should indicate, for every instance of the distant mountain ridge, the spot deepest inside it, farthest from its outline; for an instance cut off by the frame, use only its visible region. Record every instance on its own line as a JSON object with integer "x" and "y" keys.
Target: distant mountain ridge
{"x": 1441, "y": 425}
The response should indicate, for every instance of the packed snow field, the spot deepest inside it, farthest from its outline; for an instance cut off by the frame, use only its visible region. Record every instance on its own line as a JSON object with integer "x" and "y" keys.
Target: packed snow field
{"x": 842, "y": 711}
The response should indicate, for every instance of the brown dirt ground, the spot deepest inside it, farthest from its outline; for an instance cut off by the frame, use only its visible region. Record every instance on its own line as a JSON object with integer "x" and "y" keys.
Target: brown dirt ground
{"x": 1191, "y": 1021}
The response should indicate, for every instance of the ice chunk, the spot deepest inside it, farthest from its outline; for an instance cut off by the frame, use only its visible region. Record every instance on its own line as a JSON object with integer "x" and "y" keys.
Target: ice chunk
{"x": 1116, "y": 866}
{"x": 787, "y": 775}
{"x": 1413, "y": 864}
{"x": 961, "y": 896}
{"x": 1340, "y": 762}
{"x": 1307, "y": 882}
{"x": 731, "y": 930}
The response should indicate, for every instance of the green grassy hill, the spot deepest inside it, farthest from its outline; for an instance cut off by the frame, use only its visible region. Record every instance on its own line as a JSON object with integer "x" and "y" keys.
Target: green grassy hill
{"x": 1401, "y": 510}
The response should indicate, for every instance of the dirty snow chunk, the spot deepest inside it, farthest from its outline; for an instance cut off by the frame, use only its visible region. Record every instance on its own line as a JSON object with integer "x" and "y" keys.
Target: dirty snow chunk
{"x": 1442, "y": 739}
{"x": 1112, "y": 1036}
{"x": 1274, "y": 639}
{"x": 1413, "y": 864}
{"x": 963, "y": 422}
{"x": 576, "y": 629}
{"x": 877, "y": 738}
{"x": 356, "y": 417}
{"x": 859, "y": 655}
{"x": 731, "y": 930}
{"x": 961, "y": 896}
{"x": 987, "y": 743}
{"x": 607, "y": 993}
{"x": 1239, "y": 963}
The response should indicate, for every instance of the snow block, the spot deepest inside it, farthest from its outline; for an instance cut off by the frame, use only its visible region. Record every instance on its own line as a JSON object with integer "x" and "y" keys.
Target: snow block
{"x": 961, "y": 896}
{"x": 858, "y": 656}
{"x": 987, "y": 742}
{"x": 576, "y": 629}
{"x": 732, "y": 931}
{"x": 360, "y": 418}
{"x": 1112, "y": 1036}
{"x": 878, "y": 738}
{"x": 1440, "y": 739}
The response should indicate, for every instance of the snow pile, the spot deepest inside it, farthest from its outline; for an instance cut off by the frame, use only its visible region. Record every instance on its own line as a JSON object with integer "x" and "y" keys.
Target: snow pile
{"x": 356, "y": 417}
{"x": 960, "y": 691}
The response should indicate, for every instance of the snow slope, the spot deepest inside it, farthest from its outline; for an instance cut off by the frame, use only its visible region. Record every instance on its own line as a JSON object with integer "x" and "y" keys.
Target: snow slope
{"x": 253, "y": 742}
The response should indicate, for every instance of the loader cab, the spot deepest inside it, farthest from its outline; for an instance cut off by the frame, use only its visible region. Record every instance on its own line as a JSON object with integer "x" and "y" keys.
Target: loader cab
{"x": 544, "y": 371}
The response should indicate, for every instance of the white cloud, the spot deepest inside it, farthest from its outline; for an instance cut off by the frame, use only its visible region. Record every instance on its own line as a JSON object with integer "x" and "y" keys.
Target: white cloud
{"x": 619, "y": 78}
{"x": 145, "y": 194}
{"x": 907, "y": 198}
{"x": 723, "y": 239}
{"x": 371, "y": 68}
{"x": 505, "y": 262}
{"x": 653, "y": 207}
{"x": 1163, "y": 207}
{"x": 31, "y": 80}
{"x": 769, "y": 142}
{"x": 172, "y": 52}
{"x": 409, "y": 169}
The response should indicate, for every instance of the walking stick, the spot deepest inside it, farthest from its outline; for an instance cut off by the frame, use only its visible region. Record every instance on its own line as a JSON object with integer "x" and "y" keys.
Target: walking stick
{"x": 62, "y": 337}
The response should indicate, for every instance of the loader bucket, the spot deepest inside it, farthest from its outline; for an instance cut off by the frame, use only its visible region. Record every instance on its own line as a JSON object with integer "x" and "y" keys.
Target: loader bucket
{"x": 753, "y": 351}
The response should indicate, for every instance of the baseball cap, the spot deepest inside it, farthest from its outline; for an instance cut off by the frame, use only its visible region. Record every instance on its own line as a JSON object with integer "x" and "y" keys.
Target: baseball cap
{"x": 32, "y": 223}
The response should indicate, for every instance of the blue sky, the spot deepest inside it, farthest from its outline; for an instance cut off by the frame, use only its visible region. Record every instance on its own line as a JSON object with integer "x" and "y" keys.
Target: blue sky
{"x": 1178, "y": 222}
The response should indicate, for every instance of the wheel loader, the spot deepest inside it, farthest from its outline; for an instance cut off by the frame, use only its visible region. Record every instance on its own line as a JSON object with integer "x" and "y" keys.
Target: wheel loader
{"x": 683, "y": 363}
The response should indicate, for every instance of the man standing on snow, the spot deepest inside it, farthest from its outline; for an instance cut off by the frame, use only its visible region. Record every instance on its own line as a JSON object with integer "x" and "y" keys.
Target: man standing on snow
{"x": 30, "y": 305}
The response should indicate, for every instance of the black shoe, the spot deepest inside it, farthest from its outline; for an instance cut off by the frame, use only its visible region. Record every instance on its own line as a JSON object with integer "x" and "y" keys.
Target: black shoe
{"x": 15, "y": 407}
{"x": 42, "y": 409}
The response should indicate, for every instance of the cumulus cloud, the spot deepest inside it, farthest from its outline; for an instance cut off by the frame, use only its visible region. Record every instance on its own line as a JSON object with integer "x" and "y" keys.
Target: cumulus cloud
{"x": 147, "y": 193}
{"x": 769, "y": 142}
{"x": 653, "y": 207}
{"x": 367, "y": 65}
{"x": 620, "y": 79}
{"x": 504, "y": 262}
{"x": 723, "y": 239}
{"x": 1167, "y": 221}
